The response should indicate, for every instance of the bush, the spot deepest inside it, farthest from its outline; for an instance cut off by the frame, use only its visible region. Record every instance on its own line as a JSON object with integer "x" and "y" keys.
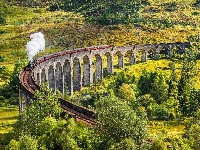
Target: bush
{"x": 2, "y": 98}
{"x": 160, "y": 112}
{"x": 158, "y": 145}
{"x": 127, "y": 144}
{"x": 13, "y": 145}
{"x": 2, "y": 20}
{"x": 145, "y": 81}
{"x": 145, "y": 100}
{"x": 2, "y": 58}
{"x": 14, "y": 99}
{"x": 126, "y": 92}
{"x": 117, "y": 120}
{"x": 197, "y": 3}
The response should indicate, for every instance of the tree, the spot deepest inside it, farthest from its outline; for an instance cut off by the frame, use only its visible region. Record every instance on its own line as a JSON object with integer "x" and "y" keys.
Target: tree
{"x": 4, "y": 75}
{"x": 192, "y": 131}
{"x": 3, "y": 12}
{"x": 145, "y": 81}
{"x": 26, "y": 142}
{"x": 10, "y": 89}
{"x": 45, "y": 104}
{"x": 173, "y": 103}
{"x": 159, "y": 89}
{"x": 160, "y": 112}
{"x": 13, "y": 145}
{"x": 145, "y": 100}
{"x": 173, "y": 84}
{"x": 14, "y": 80}
{"x": 158, "y": 145}
{"x": 127, "y": 144}
{"x": 116, "y": 120}
{"x": 193, "y": 136}
{"x": 126, "y": 92}
{"x": 186, "y": 83}
{"x": 75, "y": 136}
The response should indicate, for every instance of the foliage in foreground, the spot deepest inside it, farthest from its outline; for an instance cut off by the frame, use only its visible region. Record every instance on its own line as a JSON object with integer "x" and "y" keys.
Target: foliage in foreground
{"x": 118, "y": 121}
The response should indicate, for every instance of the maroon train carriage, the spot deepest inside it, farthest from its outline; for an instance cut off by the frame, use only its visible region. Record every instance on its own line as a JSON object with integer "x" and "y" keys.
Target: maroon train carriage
{"x": 69, "y": 52}
{"x": 91, "y": 48}
{"x": 47, "y": 57}
{"x": 80, "y": 49}
{"x": 39, "y": 60}
{"x": 103, "y": 46}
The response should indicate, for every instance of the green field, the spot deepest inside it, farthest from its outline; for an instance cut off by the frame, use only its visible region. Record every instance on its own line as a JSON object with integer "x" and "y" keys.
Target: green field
{"x": 8, "y": 117}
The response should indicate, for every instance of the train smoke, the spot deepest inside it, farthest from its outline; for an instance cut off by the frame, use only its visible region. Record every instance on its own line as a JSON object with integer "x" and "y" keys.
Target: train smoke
{"x": 36, "y": 45}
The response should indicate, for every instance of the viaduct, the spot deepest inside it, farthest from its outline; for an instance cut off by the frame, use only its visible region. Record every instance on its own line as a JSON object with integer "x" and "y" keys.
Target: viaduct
{"x": 74, "y": 69}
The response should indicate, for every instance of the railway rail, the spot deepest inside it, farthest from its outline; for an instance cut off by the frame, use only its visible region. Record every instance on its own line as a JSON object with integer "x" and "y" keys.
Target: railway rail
{"x": 79, "y": 113}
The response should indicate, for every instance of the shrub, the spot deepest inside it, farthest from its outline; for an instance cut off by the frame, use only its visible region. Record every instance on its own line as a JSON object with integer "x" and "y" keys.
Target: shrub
{"x": 2, "y": 20}
{"x": 158, "y": 145}
{"x": 126, "y": 92}
{"x": 2, "y": 58}
{"x": 127, "y": 144}
{"x": 145, "y": 100}
{"x": 13, "y": 145}
{"x": 160, "y": 112}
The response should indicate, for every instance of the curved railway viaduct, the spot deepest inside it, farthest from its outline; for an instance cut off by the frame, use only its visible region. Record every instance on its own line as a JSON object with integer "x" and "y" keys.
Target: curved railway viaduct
{"x": 74, "y": 69}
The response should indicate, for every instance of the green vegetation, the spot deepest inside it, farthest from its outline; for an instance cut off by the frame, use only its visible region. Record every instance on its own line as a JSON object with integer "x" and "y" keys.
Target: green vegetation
{"x": 151, "y": 105}
{"x": 8, "y": 117}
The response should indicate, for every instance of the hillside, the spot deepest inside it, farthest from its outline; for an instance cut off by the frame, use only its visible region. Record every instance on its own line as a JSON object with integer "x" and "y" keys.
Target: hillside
{"x": 157, "y": 23}
{"x": 150, "y": 105}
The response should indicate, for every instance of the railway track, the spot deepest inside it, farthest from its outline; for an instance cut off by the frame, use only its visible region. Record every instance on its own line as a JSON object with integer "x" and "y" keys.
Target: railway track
{"x": 77, "y": 112}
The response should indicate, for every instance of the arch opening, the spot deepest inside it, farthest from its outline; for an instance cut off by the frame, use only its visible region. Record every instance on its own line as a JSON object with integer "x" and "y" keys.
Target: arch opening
{"x": 98, "y": 74}
{"x": 153, "y": 54}
{"x": 141, "y": 55}
{"x": 130, "y": 57}
{"x": 77, "y": 75}
{"x": 108, "y": 64}
{"x": 86, "y": 70}
{"x": 43, "y": 76}
{"x": 58, "y": 77}
{"x": 176, "y": 52}
{"x": 120, "y": 59}
{"x": 38, "y": 78}
{"x": 51, "y": 78}
{"x": 67, "y": 77}
{"x": 164, "y": 53}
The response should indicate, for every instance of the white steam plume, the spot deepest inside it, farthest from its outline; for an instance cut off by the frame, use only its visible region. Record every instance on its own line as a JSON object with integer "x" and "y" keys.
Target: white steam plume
{"x": 36, "y": 45}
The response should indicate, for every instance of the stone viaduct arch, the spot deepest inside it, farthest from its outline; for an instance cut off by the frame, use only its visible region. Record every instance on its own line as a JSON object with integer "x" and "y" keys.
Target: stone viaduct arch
{"x": 74, "y": 70}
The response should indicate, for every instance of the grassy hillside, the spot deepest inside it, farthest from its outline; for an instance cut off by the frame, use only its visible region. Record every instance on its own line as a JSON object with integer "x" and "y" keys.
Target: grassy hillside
{"x": 166, "y": 21}
{"x": 8, "y": 116}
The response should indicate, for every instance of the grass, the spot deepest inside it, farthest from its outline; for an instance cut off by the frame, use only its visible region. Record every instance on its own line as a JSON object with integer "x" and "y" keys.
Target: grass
{"x": 8, "y": 116}
{"x": 169, "y": 127}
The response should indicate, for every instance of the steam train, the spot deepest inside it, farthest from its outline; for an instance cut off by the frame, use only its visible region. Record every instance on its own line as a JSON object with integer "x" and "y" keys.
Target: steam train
{"x": 39, "y": 60}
